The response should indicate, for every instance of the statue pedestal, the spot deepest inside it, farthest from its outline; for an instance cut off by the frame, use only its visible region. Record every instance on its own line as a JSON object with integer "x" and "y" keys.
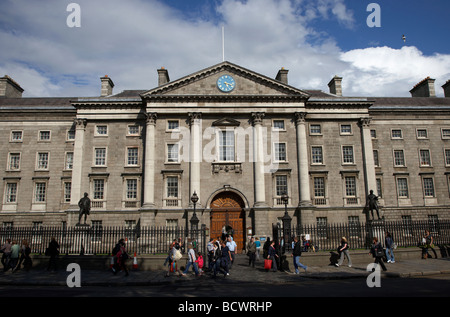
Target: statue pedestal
{"x": 376, "y": 229}
{"x": 82, "y": 238}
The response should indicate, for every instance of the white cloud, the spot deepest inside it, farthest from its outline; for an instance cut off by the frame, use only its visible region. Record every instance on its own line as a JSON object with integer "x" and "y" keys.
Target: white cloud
{"x": 129, "y": 40}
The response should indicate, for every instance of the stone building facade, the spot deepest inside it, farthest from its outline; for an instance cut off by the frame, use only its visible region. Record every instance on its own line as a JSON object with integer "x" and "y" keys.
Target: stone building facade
{"x": 237, "y": 139}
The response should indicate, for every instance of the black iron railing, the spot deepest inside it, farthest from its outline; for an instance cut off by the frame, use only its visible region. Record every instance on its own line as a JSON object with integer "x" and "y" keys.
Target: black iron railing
{"x": 360, "y": 236}
{"x": 101, "y": 240}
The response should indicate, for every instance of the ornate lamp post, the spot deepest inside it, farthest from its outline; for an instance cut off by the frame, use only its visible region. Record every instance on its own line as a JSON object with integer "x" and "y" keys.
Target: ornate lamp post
{"x": 194, "y": 220}
{"x": 286, "y": 220}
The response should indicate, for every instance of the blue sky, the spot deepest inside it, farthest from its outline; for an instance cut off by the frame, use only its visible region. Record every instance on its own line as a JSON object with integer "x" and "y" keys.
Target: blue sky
{"x": 315, "y": 40}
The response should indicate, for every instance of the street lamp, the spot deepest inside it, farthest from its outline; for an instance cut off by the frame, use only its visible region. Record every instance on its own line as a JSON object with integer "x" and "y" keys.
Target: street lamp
{"x": 194, "y": 220}
{"x": 286, "y": 220}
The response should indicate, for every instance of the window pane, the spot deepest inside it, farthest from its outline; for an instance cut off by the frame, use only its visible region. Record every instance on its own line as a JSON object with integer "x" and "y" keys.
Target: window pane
{"x": 131, "y": 188}
{"x": 425, "y": 159}
{"x": 317, "y": 157}
{"x": 278, "y": 124}
{"x": 40, "y": 192}
{"x": 347, "y": 154}
{"x": 402, "y": 185}
{"x": 315, "y": 129}
{"x": 11, "y": 192}
{"x": 280, "y": 151}
{"x": 172, "y": 186}
{"x": 132, "y": 156}
{"x": 399, "y": 159}
{"x": 14, "y": 161}
{"x": 226, "y": 145}
{"x": 319, "y": 187}
{"x": 100, "y": 156}
{"x": 69, "y": 160}
{"x": 99, "y": 187}
{"x": 42, "y": 161}
{"x": 172, "y": 152}
{"x": 428, "y": 187}
{"x": 281, "y": 184}
{"x": 350, "y": 186}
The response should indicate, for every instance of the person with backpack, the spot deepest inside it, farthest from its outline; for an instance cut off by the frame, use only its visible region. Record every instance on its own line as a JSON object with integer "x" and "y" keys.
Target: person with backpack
{"x": 121, "y": 256}
{"x": 343, "y": 251}
{"x": 377, "y": 252}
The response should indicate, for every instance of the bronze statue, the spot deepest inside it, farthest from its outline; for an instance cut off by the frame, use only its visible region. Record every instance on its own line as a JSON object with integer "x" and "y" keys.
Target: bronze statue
{"x": 85, "y": 207}
{"x": 372, "y": 203}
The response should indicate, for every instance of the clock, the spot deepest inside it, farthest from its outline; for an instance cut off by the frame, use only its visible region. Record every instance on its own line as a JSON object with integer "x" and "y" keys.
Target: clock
{"x": 226, "y": 83}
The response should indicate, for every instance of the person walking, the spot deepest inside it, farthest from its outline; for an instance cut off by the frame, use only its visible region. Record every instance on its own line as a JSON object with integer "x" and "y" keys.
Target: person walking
{"x": 428, "y": 245}
{"x": 296, "y": 254}
{"x": 343, "y": 251}
{"x": 191, "y": 261}
{"x": 258, "y": 248}
{"x": 225, "y": 259}
{"x": 272, "y": 255}
{"x": 25, "y": 258}
{"x": 377, "y": 252}
{"x": 251, "y": 252}
{"x": 6, "y": 250}
{"x": 232, "y": 248}
{"x": 121, "y": 258}
{"x": 389, "y": 244}
{"x": 266, "y": 248}
{"x": 53, "y": 252}
{"x": 15, "y": 253}
{"x": 174, "y": 257}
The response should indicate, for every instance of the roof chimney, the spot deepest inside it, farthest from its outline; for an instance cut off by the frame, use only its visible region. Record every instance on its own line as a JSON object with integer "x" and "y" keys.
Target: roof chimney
{"x": 107, "y": 86}
{"x": 424, "y": 89}
{"x": 163, "y": 76}
{"x": 446, "y": 87}
{"x": 282, "y": 75}
{"x": 9, "y": 88}
{"x": 335, "y": 85}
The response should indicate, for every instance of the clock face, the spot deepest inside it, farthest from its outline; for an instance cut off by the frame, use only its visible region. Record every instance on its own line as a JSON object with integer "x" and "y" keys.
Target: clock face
{"x": 226, "y": 83}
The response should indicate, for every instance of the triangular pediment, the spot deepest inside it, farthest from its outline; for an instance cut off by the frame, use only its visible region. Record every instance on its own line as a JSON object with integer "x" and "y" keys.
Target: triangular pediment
{"x": 226, "y": 122}
{"x": 204, "y": 85}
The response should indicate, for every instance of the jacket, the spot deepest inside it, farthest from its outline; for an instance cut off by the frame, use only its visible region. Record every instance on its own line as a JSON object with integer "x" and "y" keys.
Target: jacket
{"x": 297, "y": 249}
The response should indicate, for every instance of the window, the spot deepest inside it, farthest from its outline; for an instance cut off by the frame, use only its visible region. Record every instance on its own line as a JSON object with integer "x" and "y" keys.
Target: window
{"x": 399, "y": 158}
{"x": 16, "y": 136}
{"x": 422, "y": 134}
{"x": 428, "y": 187}
{"x": 14, "y": 162}
{"x": 97, "y": 231}
{"x": 132, "y": 189}
{"x": 425, "y": 159}
{"x": 67, "y": 191}
{"x": 172, "y": 186}
{"x": 373, "y": 134}
{"x": 100, "y": 157}
{"x": 172, "y": 223}
{"x": 40, "y": 192}
{"x": 445, "y": 133}
{"x": 281, "y": 186}
{"x": 350, "y": 186}
{"x": 280, "y": 152}
{"x": 133, "y": 130}
{"x": 346, "y": 129}
{"x": 69, "y": 161}
{"x": 278, "y": 125}
{"x": 226, "y": 145}
{"x": 71, "y": 134}
{"x": 447, "y": 157}
{"x": 319, "y": 187}
{"x": 315, "y": 129}
{"x": 376, "y": 162}
{"x": 11, "y": 193}
{"x": 132, "y": 156}
{"x": 44, "y": 135}
{"x": 101, "y": 130}
{"x": 407, "y": 225}
{"x": 402, "y": 188}
{"x": 322, "y": 223}
{"x": 396, "y": 134}
{"x": 379, "y": 188}
{"x": 347, "y": 154}
{"x": 42, "y": 161}
{"x": 433, "y": 224}
{"x": 354, "y": 226}
{"x": 316, "y": 155}
{"x": 172, "y": 153}
{"x": 173, "y": 125}
{"x": 99, "y": 189}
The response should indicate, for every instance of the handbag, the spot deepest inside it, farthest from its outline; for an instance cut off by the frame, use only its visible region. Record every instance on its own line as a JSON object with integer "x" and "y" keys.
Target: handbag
{"x": 173, "y": 267}
{"x": 267, "y": 264}
{"x": 178, "y": 255}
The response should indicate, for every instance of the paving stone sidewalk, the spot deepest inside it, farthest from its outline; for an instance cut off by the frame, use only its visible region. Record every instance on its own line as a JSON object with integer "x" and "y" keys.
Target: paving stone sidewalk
{"x": 239, "y": 273}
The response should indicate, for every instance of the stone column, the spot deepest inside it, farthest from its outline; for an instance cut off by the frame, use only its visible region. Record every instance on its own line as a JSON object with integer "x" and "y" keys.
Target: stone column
{"x": 149, "y": 165}
{"x": 258, "y": 157}
{"x": 195, "y": 154}
{"x": 76, "y": 192}
{"x": 369, "y": 163}
{"x": 302, "y": 160}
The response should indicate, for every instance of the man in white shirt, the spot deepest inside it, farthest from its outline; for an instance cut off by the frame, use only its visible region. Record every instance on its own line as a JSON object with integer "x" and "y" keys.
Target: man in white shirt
{"x": 232, "y": 247}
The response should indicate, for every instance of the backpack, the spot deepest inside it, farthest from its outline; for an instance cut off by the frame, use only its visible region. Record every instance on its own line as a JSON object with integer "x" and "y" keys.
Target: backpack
{"x": 116, "y": 249}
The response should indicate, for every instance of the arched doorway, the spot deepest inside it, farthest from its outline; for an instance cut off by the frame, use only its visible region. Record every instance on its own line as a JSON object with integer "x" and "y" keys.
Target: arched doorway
{"x": 227, "y": 216}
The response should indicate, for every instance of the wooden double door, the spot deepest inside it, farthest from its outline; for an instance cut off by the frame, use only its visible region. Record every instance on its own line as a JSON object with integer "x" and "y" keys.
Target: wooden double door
{"x": 228, "y": 217}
